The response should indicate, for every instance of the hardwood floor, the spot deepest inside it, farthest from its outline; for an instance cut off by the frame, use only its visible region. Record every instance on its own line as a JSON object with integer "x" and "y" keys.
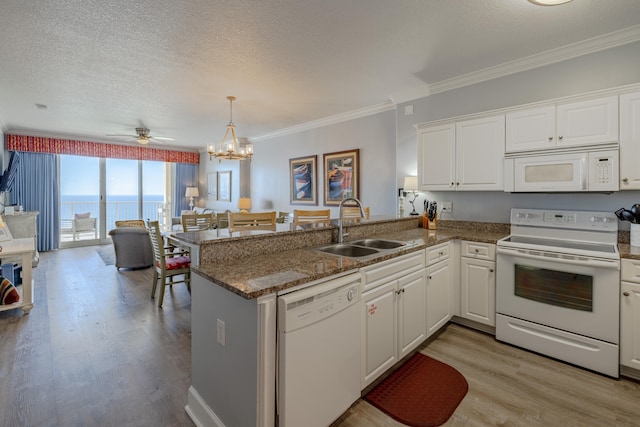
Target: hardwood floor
{"x": 96, "y": 351}
{"x": 509, "y": 386}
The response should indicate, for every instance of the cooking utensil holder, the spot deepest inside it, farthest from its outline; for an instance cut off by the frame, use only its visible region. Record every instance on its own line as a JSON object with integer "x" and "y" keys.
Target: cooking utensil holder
{"x": 634, "y": 235}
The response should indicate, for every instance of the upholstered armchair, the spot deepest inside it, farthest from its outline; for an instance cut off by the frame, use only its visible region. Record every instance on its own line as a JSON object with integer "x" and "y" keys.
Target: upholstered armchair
{"x": 132, "y": 245}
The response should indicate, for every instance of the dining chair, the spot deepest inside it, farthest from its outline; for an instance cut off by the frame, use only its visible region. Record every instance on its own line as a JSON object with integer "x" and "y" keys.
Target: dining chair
{"x": 222, "y": 220}
{"x": 169, "y": 263}
{"x": 239, "y": 221}
{"x": 309, "y": 216}
{"x": 354, "y": 212}
{"x": 284, "y": 217}
{"x": 197, "y": 222}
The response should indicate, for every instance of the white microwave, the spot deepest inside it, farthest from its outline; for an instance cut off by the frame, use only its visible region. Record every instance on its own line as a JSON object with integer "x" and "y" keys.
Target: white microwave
{"x": 566, "y": 172}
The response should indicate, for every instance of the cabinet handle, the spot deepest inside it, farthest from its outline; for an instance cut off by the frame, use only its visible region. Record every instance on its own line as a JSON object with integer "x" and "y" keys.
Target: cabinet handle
{"x": 491, "y": 270}
{"x": 440, "y": 253}
{"x": 399, "y": 291}
{"x": 457, "y": 183}
{"x": 477, "y": 250}
{"x": 429, "y": 277}
{"x": 550, "y": 138}
{"x": 625, "y": 293}
{"x": 560, "y": 137}
{"x": 451, "y": 185}
{"x": 625, "y": 180}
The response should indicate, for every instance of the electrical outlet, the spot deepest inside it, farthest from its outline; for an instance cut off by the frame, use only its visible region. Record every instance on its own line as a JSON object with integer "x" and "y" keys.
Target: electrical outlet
{"x": 222, "y": 335}
{"x": 447, "y": 207}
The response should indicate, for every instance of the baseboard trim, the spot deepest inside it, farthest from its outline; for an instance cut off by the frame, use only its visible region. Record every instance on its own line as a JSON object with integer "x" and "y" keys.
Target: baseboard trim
{"x": 199, "y": 412}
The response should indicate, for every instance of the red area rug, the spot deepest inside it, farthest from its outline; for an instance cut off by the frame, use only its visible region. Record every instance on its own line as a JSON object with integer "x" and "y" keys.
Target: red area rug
{"x": 421, "y": 393}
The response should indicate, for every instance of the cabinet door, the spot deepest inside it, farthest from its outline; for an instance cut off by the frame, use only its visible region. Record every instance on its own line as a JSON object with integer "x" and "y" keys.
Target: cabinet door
{"x": 411, "y": 312}
{"x": 439, "y": 295}
{"x": 480, "y": 154}
{"x": 379, "y": 335}
{"x": 629, "y": 141}
{"x": 588, "y": 122}
{"x": 533, "y": 129}
{"x": 436, "y": 158}
{"x": 630, "y": 325}
{"x": 478, "y": 290}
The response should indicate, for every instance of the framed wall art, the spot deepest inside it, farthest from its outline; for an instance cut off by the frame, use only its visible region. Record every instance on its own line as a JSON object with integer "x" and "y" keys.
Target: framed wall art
{"x": 302, "y": 181}
{"x": 224, "y": 186}
{"x": 341, "y": 176}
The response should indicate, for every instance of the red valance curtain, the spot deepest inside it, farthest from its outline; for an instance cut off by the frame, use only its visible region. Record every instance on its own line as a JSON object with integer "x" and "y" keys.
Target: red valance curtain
{"x": 97, "y": 149}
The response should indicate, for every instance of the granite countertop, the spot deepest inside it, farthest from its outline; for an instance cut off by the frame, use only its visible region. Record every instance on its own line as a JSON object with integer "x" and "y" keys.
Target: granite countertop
{"x": 262, "y": 275}
{"x": 628, "y": 251}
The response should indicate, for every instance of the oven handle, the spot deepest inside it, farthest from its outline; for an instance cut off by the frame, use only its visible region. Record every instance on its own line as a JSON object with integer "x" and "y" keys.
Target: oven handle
{"x": 591, "y": 262}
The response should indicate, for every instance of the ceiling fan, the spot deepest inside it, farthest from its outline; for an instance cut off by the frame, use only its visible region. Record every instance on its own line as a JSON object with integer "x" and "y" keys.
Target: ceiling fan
{"x": 143, "y": 137}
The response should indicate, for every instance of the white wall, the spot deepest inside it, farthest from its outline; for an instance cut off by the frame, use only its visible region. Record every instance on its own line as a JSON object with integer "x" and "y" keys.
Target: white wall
{"x": 240, "y": 176}
{"x": 373, "y": 135}
{"x": 601, "y": 70}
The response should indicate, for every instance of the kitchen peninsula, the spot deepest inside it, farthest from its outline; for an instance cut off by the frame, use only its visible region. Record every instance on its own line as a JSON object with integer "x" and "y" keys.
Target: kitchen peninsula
{"x": 234, "y": 289}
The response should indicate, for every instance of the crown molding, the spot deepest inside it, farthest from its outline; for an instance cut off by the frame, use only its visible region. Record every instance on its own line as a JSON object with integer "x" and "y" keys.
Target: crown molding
{"x": 573, "y": 50}
{"x": 331, "y": 120}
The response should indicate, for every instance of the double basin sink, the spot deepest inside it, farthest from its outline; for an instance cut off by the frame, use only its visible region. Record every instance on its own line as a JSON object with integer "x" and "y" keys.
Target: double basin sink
{"x": 361, "y": 248}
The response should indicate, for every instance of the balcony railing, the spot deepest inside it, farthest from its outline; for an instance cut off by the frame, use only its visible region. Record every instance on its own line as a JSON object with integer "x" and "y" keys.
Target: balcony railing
{"x": 116, "y": 211}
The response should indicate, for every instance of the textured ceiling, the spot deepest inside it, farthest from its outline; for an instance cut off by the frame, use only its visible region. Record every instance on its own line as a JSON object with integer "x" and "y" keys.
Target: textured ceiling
{"x": 108, "y": 66}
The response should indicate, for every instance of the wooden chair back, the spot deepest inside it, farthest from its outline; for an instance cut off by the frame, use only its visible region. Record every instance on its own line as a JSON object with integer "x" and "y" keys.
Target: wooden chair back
{"x": 138, "y": 223}
{"x": 284, "y": 217}
{"x": 354, "y": 212}
{"x": 197, "y": 222}
{"x": 307, "y": 216}
{"x": 222, "y": 220}
{"x": 252, "y": 221}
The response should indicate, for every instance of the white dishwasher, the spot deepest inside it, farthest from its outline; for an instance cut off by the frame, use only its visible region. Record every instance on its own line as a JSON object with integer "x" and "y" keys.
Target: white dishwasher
{"x": 319, "y": 352}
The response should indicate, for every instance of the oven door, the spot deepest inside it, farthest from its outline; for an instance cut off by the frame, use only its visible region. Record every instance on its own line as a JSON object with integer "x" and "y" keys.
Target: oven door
{"x": 573, "y": 293}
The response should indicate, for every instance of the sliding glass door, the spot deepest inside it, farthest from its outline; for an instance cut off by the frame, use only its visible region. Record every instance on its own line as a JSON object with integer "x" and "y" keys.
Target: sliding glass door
{"x": 108, "y": 190}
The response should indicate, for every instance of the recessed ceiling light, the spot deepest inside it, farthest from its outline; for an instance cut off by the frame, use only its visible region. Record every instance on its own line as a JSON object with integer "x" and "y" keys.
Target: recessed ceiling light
{"x": 549, "y": 2}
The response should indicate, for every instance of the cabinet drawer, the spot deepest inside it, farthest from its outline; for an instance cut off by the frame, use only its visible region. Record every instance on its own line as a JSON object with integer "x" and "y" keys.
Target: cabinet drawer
{"x": 630, "y": 270}
{"x": 373, "y": 275}
{"x": 478, "y": 250}
{"x": 437, "y": 253}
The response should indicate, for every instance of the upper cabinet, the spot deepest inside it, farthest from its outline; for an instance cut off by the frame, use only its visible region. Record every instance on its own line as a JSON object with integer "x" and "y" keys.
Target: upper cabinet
{"x": 629, "y": 141}
{"x": 589, "y": 122}
{"x": 462, "y": 156}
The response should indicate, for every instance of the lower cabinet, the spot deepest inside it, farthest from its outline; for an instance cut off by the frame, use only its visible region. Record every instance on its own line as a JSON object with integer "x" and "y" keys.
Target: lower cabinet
{"x": 394, "y": 315}
{"x": 478, "y": 282}
{"x": 439, "y": 295}
{"x": 630, "y": 314}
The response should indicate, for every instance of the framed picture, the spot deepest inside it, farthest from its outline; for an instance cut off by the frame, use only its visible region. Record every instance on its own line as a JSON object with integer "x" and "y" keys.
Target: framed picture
{"x": 302, "y": 181}
{"x": 224, "y": 186}
{"x": 212, "y": 186}
{"x": 341, "y": 176}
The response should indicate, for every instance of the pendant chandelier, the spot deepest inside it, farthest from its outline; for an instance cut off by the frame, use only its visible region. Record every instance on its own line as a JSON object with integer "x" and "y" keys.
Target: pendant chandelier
{"x": 230, "y": 149}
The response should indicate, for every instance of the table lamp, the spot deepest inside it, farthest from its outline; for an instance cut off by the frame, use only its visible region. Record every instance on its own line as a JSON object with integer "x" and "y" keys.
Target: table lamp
{"x": 244, "y": 204}
{"x": 191, "y": 193}
{"x": 411, "y": 184}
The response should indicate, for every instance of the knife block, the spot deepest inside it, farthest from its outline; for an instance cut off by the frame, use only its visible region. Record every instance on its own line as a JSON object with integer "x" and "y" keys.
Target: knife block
{"x": 431, "y": 225}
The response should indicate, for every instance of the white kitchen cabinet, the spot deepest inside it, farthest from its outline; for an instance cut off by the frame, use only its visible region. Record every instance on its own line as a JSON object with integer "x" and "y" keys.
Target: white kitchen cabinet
{"x": 393, "y": 313}
{"x": 590, "y": 122}
{"x": 462, "y": 156}
{"x": 439, "y": 295}
{"x": 436, "y": 157}
{"x": 629, "y": 141}
{"x": 478, "y": 282}
{"x": 630, "y": 314}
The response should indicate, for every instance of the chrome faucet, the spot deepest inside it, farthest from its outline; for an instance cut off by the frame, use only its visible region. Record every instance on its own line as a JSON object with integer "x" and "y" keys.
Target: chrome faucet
{"x": 341, "y": 233}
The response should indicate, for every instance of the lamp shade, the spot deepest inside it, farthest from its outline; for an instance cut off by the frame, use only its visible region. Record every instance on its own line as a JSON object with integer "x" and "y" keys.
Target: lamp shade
{"x": 244, "y": 203}
{"x": 410, "y": 183}
{"x": 191, "y": 192}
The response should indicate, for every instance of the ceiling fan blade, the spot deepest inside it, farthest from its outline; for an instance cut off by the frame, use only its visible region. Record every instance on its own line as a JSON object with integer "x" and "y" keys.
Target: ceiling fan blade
{"x": 114, "y": 134}
{"x": 163, "y": 138}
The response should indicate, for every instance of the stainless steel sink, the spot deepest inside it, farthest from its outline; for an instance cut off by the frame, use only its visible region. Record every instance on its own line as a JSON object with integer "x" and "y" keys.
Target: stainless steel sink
{"x": 378, "y": 243}
{"x": 348, "y": 250}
